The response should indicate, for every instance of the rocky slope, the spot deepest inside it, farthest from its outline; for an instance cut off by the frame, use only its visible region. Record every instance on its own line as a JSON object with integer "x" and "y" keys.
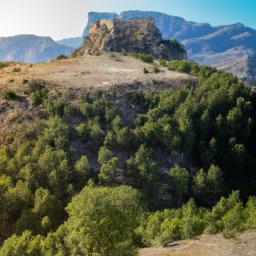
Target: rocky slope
{"x": 30, "y": 48}
{"x": 132, "y": 35}
{"x": 227, "y": 47}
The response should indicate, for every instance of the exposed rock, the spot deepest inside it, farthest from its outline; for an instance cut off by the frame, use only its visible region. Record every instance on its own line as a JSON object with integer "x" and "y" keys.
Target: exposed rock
{"x": 133, "y": 35}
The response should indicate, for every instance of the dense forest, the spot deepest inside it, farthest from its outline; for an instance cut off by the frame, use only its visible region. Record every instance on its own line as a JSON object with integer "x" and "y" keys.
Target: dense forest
{"x": 104, "y": 174}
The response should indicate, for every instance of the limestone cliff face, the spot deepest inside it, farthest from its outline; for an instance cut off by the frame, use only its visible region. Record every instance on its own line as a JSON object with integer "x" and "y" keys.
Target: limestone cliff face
{"x": 133, "y": 35}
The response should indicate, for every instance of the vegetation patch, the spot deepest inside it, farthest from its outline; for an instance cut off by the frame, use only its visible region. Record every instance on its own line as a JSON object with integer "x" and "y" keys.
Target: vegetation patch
{"x": 3, "y": 65}
{"x": 62, "y": 57}
{"x": 142, "y": 56}
{"x": 10, "y": 95}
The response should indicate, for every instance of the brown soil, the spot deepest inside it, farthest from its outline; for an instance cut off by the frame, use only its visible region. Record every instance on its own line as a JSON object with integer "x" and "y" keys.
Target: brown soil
{"x": 209, "y": 245}
{"x": 103, "y": 72}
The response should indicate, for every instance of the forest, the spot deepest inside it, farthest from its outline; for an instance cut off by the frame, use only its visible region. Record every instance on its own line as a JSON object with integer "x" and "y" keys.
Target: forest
{"x": 100, "y": 176}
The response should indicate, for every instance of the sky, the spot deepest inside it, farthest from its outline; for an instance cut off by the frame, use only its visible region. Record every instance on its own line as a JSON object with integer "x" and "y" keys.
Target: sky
{"x": 67, "y": 18}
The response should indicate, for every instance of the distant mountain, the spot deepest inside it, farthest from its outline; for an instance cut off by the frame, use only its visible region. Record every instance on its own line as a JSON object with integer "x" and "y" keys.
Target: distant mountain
{"x": 31, "y": 48}
{"x": 229, "y": 47}
{"x": 73, "y": 42}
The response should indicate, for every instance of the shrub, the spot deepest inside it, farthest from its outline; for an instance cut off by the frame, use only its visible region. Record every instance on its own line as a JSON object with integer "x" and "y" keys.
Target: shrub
{"x": 140, "y": 55}
{"x": 24, "y": 81}
{"x": 145, "y": 71}
{"x": 61, "y": 57}
{"x": 2, "y": 65}
{"x": 10, "y": 95}
{"x": 35, "y": 85}
{"x": 38, "y": 97}
{"x": 16, "y": 70}
{"x": 155, "y": 69}
{"x": 83, "y": 131}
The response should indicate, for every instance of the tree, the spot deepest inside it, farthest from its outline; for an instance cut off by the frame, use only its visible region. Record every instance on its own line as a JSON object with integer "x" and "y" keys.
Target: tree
{"x": 208, "y": 186}
{"x": 179, "y": 184}
{"x": 108, "y": 170}
{"x": 24, "y": 245}
{"x": 82, "y": 172}
{"x": 142, "y": 169}
{"x": 104, "y": 155}
{"x": 102, "y": 220}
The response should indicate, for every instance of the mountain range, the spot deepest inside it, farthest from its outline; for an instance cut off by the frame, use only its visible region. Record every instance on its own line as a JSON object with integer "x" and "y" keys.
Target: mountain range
{"x": 31, "y": 48}
{"x": 229, "y": 47}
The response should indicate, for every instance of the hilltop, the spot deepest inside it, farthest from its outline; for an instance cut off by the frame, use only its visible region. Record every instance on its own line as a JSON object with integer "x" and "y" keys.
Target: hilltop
{"x": 227, "y": 47}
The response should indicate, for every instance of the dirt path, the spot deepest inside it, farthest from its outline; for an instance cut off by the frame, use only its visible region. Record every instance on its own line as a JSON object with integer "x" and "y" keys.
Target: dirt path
{"x": 215, "y": 245}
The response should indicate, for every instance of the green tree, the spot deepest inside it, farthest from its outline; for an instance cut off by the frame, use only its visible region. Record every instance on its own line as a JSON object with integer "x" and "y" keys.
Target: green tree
{"x": 82, "y": 172}
{"x": 142, "y": 169}
{"x": 179, "y": 184}
{"x": 102, "y": 221}
{"x": 24, "y": 245}
{"x": 108, "y": 170}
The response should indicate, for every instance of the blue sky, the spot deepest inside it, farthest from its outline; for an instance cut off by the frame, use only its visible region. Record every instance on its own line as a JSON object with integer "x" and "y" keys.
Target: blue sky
{"x": 65, "y": 18}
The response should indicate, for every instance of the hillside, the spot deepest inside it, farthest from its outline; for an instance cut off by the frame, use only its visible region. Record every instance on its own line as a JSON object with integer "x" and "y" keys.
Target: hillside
{"x": 110, "y": 71}
{"x": 86, "y": 139}
{"x": 104, "y": 153}
{"x": 31, "y": 48}
{"x": 227, "y": 47}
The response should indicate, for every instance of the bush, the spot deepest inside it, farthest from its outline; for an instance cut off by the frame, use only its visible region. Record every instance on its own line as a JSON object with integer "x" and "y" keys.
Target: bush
{"x": 3, "y": 65}
{"x": 61, "y": 57}
{"x": 35, "y": 85}
{"x": 83, "y": 132}
{"x": 145, "y": 71}
{"x": 38, "y": 97}
{"x": 142, "y": 56}
{"x": 10, "y": 95}
{"x": 16, "y": 70}
{"x": 156, "y": 69}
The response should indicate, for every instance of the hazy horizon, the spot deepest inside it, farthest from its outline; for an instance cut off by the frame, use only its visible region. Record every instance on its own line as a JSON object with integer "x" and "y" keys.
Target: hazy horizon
{"x": 64, "y": 18}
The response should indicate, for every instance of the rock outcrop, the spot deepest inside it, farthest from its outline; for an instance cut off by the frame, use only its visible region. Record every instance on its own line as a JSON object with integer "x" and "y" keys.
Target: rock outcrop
{"x": 133, "y": 35}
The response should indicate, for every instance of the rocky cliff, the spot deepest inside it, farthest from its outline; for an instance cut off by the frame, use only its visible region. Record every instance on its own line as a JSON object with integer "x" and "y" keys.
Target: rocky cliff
{"x": 132, "y": 35}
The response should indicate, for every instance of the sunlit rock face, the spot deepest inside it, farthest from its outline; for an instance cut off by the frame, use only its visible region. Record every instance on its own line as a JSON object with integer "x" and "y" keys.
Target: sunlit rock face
{"x": 133, "y": 35}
